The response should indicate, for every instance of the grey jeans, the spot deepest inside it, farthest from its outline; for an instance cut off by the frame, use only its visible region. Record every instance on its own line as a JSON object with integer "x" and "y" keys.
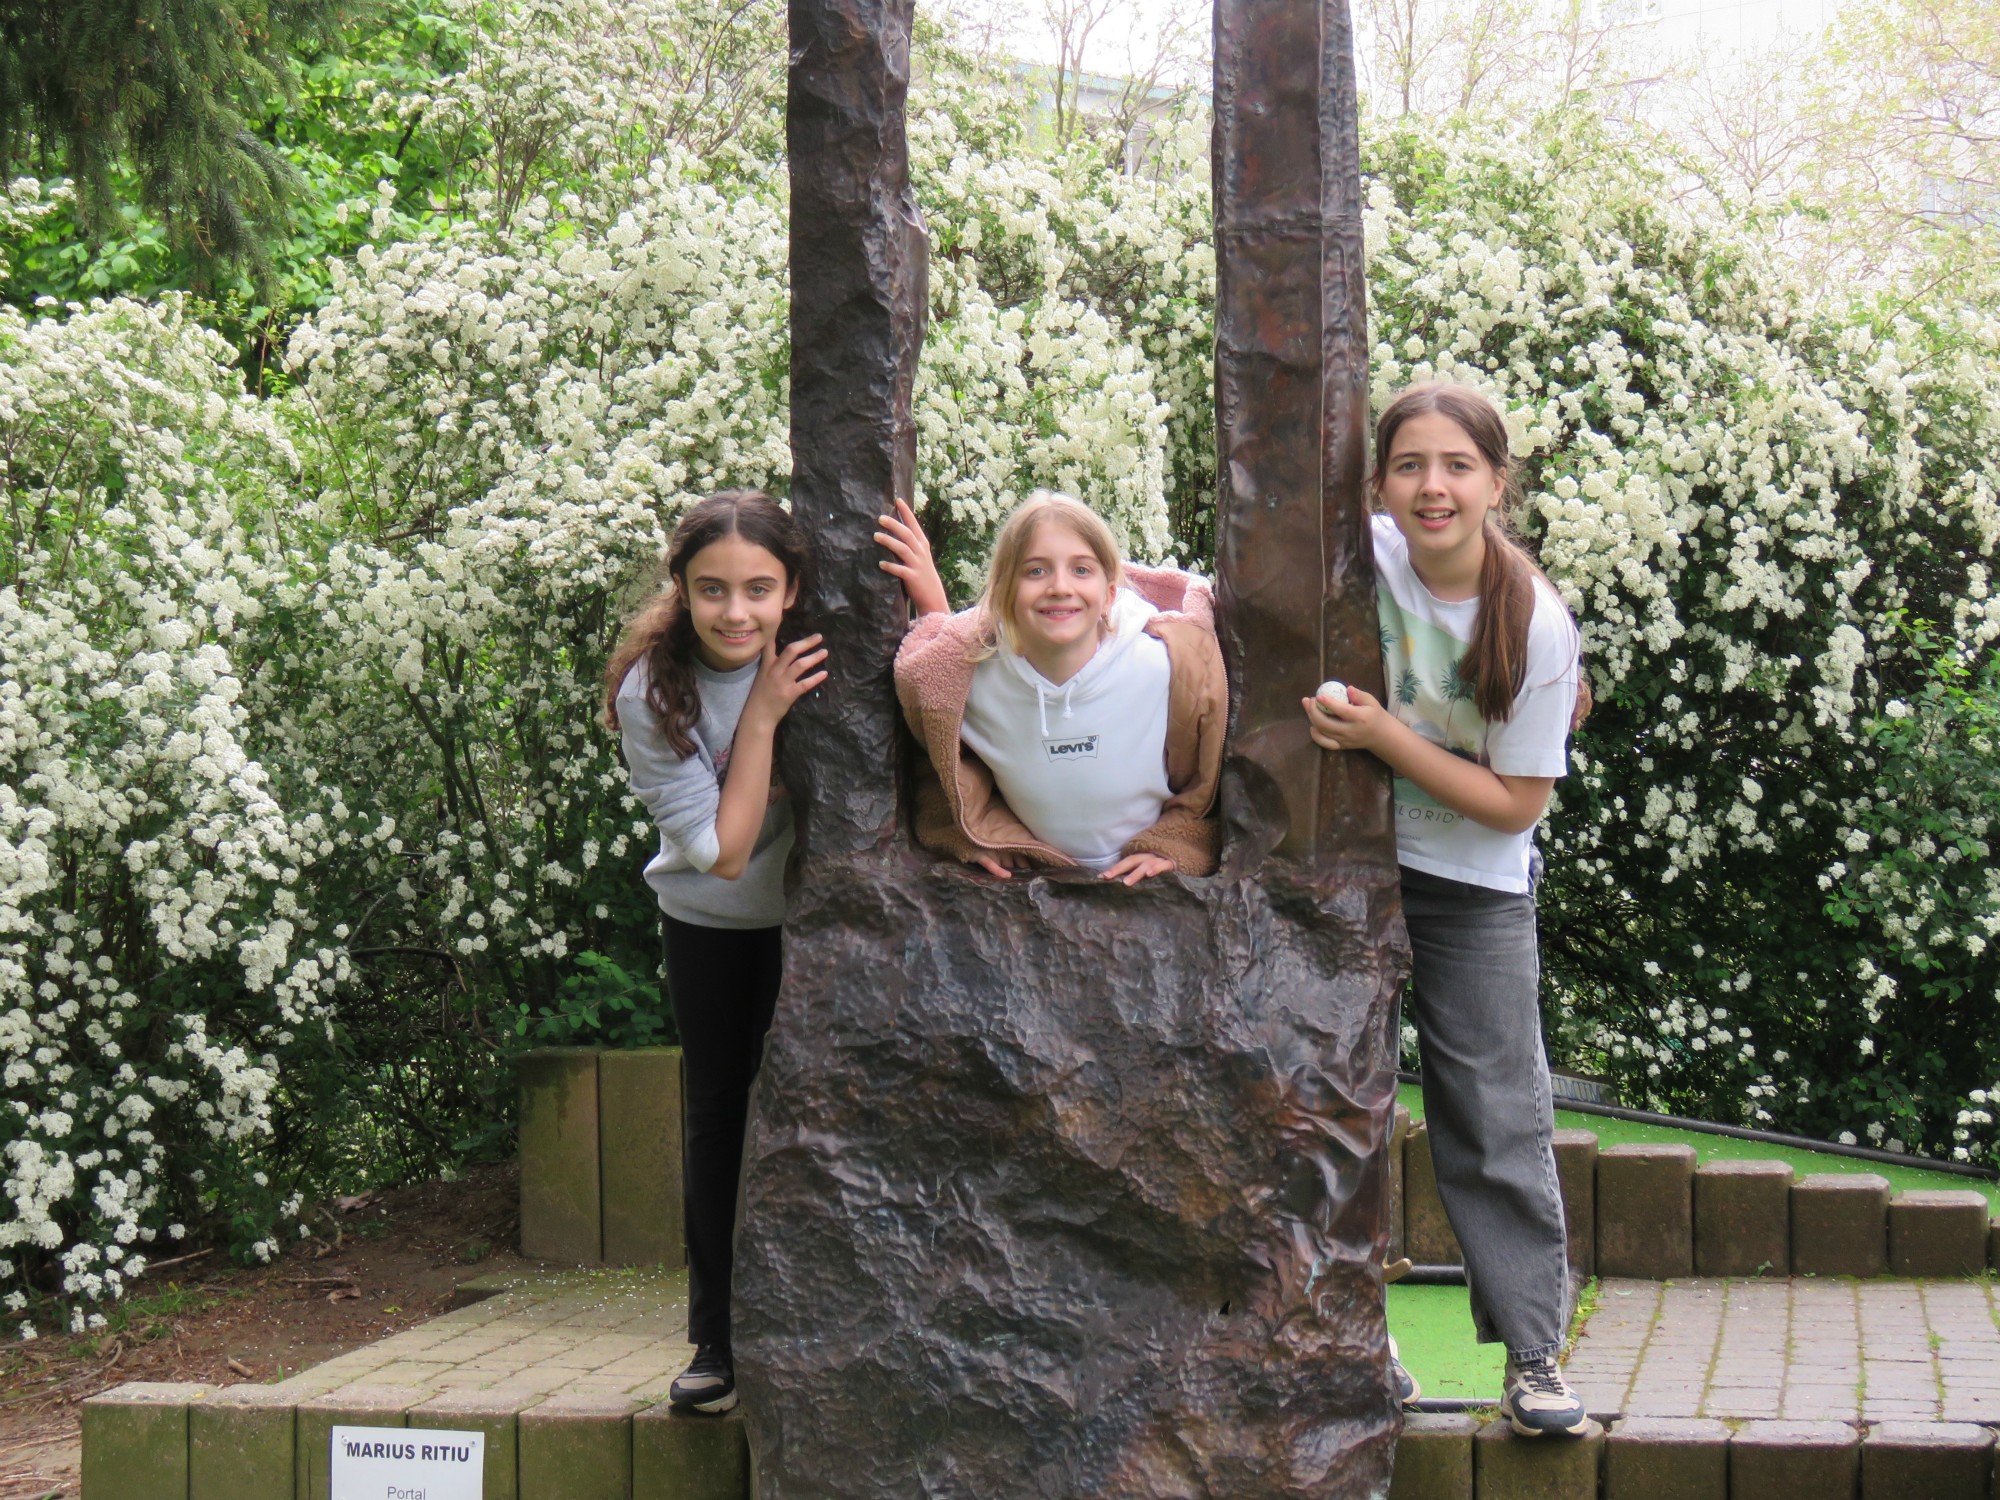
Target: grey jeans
{"x": 1474, "y": 980}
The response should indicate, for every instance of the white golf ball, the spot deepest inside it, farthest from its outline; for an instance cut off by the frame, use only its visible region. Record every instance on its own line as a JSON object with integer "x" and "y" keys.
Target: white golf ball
{"x": 1332, "y": 692}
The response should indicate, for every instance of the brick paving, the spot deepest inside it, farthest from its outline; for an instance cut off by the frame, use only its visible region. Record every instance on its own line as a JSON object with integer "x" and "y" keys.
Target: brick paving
{"x": 1800, "y": 1349}
{"x": 591, "y": 1333}
{"x": 1806, "y": 1349}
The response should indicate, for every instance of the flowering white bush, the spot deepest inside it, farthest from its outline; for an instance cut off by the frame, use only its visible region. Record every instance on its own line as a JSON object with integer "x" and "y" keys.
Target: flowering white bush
{"x": 1743, "y": 504}
{"x": 158, "y": 950}
{"x": 590, "y": 92}
{"x": 1917, "y": 885}
{"x": 1056, "y": 287}
{"x": 304, "y": 802}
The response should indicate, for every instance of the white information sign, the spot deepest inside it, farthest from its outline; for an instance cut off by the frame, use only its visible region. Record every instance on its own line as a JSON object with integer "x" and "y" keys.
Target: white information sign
{"x": 408, "y": 1463}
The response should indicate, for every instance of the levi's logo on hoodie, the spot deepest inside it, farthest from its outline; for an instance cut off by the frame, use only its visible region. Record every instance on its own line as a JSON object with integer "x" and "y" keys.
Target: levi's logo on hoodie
{"x": 1079, "y": 747}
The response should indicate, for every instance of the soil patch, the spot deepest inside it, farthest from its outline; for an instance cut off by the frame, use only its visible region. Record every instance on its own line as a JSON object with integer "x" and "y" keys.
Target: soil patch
{"x": 377, "y": 1265}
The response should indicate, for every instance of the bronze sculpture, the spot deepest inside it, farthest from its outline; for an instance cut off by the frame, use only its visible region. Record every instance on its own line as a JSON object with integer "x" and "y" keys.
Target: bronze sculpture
{"x": 1056, "y": 1189}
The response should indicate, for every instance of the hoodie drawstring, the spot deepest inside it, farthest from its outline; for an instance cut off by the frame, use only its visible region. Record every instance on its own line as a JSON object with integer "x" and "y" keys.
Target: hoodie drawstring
{"x": 1042, "y": 702}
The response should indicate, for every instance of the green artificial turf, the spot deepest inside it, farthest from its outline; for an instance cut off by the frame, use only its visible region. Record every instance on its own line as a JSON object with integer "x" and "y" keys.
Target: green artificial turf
{"x": 1433, "y": 1329}
{"x": 1711, "y": 1147}
{"x": 1432, "y": 1326}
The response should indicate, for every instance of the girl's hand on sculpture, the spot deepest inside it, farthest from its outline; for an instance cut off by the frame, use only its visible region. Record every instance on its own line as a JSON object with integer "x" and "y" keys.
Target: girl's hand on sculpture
{"x": 910, "y": 560}
{"x": 1361, "y": 723}
{"x": 1134, "y": 868}
{"x": 1000, "y": 865}
{"x": 1506, "y": 804}
{"x": 783, "y": 677}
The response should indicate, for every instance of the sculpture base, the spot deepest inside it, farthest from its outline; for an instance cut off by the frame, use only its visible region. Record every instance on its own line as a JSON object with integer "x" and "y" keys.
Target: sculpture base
{"x": 1059, "y": 1188}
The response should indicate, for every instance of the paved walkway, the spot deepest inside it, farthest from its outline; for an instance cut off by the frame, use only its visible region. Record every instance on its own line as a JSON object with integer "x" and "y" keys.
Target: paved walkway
{"x": 1799, "y": 1349}
{"x": 589, "y": 1333}
{"x": 1802, "y": 1348}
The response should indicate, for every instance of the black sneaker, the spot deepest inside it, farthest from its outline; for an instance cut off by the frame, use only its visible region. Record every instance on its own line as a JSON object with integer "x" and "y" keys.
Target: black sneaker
{"x": 1407, "y": 1389}
{"x": 708, "y": 1383}
{"x": 1536, "y": 1399}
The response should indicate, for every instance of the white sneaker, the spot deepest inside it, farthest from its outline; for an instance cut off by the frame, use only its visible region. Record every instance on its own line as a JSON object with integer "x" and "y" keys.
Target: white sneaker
{"x": 1407, "y": 1389}
{"x": 1536, "y": 1399}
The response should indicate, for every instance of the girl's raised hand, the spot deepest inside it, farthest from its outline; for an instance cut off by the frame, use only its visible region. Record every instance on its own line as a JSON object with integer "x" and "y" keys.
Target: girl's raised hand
{"x": 910, "y": 560}
{"x": 784, "y": 677}
{"x": 1134, "y": 868}
{"x": 1357, "y": 724}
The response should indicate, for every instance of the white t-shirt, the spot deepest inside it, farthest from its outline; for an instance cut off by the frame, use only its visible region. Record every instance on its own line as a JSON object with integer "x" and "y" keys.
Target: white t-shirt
{"x": 1424, "y": 638}
{"x": 1083, "y": 764}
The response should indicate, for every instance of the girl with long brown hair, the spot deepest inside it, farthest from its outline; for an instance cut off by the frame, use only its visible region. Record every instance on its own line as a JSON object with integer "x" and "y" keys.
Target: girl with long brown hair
{"x": 696, "y": 690}
{"x": 1485, "y": 680}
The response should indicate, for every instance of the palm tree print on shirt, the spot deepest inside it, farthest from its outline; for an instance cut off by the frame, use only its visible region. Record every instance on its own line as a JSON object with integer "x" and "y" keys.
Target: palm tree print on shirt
{"x": 1427, "y": 684}
{"x": 1456, "y": 688}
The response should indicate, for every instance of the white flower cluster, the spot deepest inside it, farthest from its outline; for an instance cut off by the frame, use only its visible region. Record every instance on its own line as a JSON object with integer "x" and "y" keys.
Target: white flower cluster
{"x": 157, "y": 952}
{"x": 1056, "y": 286}
{"x": 591, "y": 91}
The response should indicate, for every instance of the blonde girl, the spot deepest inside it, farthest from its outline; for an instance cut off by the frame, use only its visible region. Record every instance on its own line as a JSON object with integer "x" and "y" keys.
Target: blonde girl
{"x": 1072, "y": 718}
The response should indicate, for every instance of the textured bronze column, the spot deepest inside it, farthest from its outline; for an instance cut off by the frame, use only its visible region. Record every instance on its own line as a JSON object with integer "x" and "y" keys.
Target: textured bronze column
{"x": 858, "y": 308}
{"x": 1291, "y": 395}
{"x": 1054, "y": 1188}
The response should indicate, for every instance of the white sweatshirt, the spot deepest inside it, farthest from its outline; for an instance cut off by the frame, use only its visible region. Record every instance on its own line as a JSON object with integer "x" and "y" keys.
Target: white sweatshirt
{"x": 1083, "y": 764}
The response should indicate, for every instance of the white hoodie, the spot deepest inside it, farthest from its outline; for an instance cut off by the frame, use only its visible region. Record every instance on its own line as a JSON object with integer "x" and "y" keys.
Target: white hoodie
{"x": 1083, "y": 764}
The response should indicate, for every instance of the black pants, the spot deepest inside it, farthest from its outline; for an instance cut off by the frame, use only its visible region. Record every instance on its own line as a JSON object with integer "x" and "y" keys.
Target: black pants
{"x": 724, "y": 985}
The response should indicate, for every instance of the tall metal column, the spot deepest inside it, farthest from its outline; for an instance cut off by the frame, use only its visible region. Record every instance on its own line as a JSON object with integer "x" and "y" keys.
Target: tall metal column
{"x": 1291, "y": 400}
{"x": 858, "y": 261}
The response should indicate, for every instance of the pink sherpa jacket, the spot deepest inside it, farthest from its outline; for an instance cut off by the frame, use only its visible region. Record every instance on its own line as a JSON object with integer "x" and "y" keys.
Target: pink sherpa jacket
{"x": 959, "y": 810}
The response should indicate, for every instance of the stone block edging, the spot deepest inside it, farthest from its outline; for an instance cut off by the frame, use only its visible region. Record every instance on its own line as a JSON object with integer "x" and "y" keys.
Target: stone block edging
{"x": 600, "y": 1184}
{"x": 1456, "y": 1456}
{"x": 139, "y": 1443}
{"x": 1650, "y": 1212}
{"x": 600, "y": 1151}
{"x": 153, "y": 1441}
